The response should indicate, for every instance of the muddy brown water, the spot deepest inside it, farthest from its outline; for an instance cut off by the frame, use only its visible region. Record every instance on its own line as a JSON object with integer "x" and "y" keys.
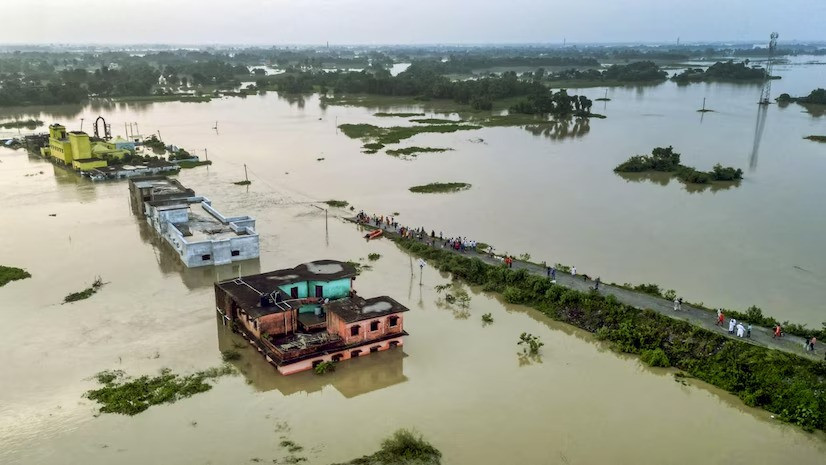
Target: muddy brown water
{"x": 460, "y": 383}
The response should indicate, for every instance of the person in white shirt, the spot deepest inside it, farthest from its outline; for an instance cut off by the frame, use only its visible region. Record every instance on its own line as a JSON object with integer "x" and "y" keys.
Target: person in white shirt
{"x": 573, "y": 271}
{"x": 731, "y": 325}
{"x": 741, "y": 330}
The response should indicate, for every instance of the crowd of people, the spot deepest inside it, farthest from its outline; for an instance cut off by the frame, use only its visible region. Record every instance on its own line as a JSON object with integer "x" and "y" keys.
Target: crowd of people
{"x": 463, "y": 244}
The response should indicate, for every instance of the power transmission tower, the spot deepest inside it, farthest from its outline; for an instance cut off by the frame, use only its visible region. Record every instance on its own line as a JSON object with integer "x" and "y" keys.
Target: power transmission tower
{"x": 765, "y": 95}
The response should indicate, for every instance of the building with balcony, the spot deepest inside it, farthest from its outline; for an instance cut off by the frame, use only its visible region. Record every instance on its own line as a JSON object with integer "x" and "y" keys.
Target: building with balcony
{"x": 303, "y": 316}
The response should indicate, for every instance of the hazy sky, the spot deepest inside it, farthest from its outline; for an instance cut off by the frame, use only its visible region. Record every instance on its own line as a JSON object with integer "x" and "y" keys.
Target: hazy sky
{"x": 405, "y": 21}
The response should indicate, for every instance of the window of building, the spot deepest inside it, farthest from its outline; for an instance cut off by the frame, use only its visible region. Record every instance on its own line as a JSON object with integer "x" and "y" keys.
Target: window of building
{"x": 394, "y": 344}
{"x": 354, "y": 330}
{"x": 236, "y": 253}
{"x": 206, "y": 257}
{"x": 355, "y": 353}
{"x": 393, "y": 321}
{"x": 374, "y": 349}
{"x": 316, "y": 363}
{"x": 337, "y": 357}
{"x": 294, "y": 292}
{"x": 319, "y": 291}
{"x": 374, "y": 326}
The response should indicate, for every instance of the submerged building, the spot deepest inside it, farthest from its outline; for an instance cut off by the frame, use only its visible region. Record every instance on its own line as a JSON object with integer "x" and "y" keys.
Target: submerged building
{"x": 200, "y": 238}
{"x": 303, "y": 316}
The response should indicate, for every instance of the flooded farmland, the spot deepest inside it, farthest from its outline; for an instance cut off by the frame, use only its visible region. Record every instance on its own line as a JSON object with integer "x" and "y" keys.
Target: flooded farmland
{"x": 458, "y": 382}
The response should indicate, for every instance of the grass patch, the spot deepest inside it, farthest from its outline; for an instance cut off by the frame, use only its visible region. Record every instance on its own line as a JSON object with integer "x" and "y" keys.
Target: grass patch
{"x": 816, "y": 138}
{"x": 10, "y": 273}
{"x": 193, "y": 163}
{"x": 440, "y": 187}
{"x": 395, "y": 134}
{"x": 337, "y": 203}
{"x": 435, "y": 121}
{"x": 383, "y": 114}
{"x": 373, "y": 256}
{"x": 374, "y": 146}
{"x": 655, "y": 358}
{"x": 245, "y": 182}
{"x": 230, "y": 355}
{"x": 412, "y": 151}
{"x": 403, "y": 447}
{"x": 84, "y": 294}
{"x": 128, "y": 396}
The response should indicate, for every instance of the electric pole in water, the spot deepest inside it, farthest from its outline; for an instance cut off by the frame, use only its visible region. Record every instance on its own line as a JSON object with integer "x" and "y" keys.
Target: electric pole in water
{"x": 81, "y": 124}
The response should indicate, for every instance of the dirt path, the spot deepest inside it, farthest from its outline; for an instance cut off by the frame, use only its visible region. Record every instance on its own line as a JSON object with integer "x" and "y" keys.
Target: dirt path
{"x": 759, "y": 335}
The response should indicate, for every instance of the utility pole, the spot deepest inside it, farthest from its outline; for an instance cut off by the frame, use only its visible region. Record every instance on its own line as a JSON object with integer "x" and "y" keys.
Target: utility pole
{"x": 159, "y": 135}
{"x": 704, "y": 104}
{"x": 247, "y": 178}
{"x": 125, "y": 132}
{"x": 137, "y": 130}
{"x": 206, "y": 155}
{"x": 81, "y": 124}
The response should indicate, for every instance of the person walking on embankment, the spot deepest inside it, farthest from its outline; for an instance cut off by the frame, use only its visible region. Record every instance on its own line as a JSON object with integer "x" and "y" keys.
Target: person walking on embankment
{"x": 721, "y": 318}
{"x": 778, "y": 332}
{"x": 731, "y": 324}
{"x": 573, "y": 271}
{"x": 596, "y": 284}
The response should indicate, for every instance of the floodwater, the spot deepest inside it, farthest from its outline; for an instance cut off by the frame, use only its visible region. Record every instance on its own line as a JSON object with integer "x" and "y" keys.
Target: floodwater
{"x": 458, "y": 382}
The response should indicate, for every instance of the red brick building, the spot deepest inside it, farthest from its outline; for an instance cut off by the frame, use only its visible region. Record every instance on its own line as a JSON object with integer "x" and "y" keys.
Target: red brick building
{"x": 303, "y": 316}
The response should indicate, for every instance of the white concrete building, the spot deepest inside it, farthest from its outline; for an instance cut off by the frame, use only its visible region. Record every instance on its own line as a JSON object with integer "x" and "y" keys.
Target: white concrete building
{"x": 200, "y": 239}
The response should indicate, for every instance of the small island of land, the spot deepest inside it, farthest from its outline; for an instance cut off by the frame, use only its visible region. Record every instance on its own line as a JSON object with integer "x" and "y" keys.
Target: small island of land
{"x": 666, "y": 160}
{"x": 10, "y": 273}
{"x": 28, "y": 124}
{"x": 440, "y": 187}
{"x": 816, "y": 138}
{"x": 723, "y": 71}
{"x": 337, "y": 203}
{"x": 815, "y": 97}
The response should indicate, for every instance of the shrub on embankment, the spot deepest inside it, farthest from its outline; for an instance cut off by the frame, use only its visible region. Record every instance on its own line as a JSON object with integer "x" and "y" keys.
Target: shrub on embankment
{"x": 790, "y": 386}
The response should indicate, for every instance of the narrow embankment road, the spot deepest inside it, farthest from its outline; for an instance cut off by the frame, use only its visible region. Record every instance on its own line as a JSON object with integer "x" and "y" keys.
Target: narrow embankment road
{"x": 699, "y": 317}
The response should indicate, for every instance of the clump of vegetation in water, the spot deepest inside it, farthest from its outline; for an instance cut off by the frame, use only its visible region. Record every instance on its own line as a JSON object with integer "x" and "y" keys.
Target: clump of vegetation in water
{"x": 128, "y": 396}
{"x": 372, "y": 147}
{"x": 373, "y": 256}
{"x": 28, "y": 124}
{"x": 230, "y": 355}
{"x": 86, "y": 293}
{"x": 655, "y": 358}
{"x": 789, "y": 385}
{"x": 440, "y": 187}
{"x": 666, "y": 160}
{"x": 403, "y": 447}
{"x": 395, "y": 134}
{"x": 291, "y": 446}
{"x": 487, "y": 318}
{"x": 186, "y": 164}
{"x": 407, "y": 151}
{"x": 435, "y": 121}
{"x": 337, "y": 203}
{"x": 359, "y": 267}
{"x": 245, "y": 182}
{"x": 324, "y": 367}
{"x": 530, "y": 343}
{"x": 401, "y": 115}
{"x": 10, "y": 273}
{"x": 816, "y": 138}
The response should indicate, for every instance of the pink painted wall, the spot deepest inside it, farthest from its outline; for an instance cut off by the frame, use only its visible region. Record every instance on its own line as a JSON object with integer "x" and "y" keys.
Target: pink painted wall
{"x": 336, "y": 325}
{"x": 365, "y": 350}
